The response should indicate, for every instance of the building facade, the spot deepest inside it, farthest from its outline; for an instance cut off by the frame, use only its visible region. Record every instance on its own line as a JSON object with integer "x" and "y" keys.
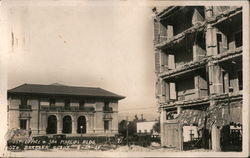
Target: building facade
{"x": 58, "y": 109}
{"x": 198, "y": 64}
{"x": 145, "y": 127}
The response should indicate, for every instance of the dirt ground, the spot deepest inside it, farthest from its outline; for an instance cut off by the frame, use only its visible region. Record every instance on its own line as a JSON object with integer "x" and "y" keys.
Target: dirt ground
{"x": 153, "y": 148}
{"x": 134, "y": 148}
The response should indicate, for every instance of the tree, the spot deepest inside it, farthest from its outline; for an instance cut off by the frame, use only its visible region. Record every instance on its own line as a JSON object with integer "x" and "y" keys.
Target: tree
{"x": 122, "y": 128}
{"x": 136, "y": 118}
{"x": 156, "y": 127}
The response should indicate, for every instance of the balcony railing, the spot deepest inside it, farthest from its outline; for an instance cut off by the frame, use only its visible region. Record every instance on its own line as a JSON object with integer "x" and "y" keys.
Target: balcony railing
{"x": 61, "y": 109}
{"x": 87, "y": 109}
{"x": 109, "y": 109}
{"x": 25, "y": 107}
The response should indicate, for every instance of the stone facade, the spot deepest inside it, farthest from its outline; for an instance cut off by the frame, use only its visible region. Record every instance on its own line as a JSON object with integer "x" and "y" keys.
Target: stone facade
{"x": 72, "y": 115}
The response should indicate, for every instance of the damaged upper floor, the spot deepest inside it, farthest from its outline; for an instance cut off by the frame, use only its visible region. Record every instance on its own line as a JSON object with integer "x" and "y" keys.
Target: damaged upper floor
{"x": 220, "y": 77}
{"x": 198, "y": 34}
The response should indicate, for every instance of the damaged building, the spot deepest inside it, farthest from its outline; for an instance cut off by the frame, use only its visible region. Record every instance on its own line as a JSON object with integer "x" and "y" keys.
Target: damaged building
{"x": 198, "y": 64}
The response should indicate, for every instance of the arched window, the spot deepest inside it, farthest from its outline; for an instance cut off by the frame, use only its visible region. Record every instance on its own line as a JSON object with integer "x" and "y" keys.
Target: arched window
{"x": 67, "y": 124}
{"x": 81, "y": 122}
{"x": 52, "y": 125}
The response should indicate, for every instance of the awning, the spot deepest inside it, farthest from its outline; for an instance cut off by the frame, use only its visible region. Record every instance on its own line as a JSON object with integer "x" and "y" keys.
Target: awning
{"x": 192, "y": 117}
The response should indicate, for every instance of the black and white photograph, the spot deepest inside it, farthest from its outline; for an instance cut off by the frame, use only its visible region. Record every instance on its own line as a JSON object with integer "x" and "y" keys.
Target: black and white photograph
{"x": 124, "y": 78}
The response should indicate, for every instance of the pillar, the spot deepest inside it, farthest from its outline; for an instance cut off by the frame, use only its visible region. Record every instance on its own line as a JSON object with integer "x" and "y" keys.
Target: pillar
{"x": 170, "y": 31}
{"x": 88, "y": 123}
{"x": 163, "y": 91}
{"x": 195, "y": 52}
{"x": 74, "y": 125}
{"x": 180, "y": 137}
{"x": 226, "y": 81}
{"x": 211, "y": 41}
{"x": 43, "y": 124}
{"x": 196, "y": 86}
{"x": 167, "y": 91}
{"x": 156, "y": 30}
{"x": 163, "y": 33}
{"x": 163, "y": 61}
{"x": 215, "y": 135}
{"x": 59, "y": 125}
{"x": 208, "y": 11}
{"x": 94, "y": 125}
{"x": 215, "y": 78}
{"x": 162, "y": 121}
{"x": 179, "y": 109}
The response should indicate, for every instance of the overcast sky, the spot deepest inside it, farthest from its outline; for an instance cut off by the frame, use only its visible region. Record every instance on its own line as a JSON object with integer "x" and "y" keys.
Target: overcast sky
{"x": 107, "y": 45}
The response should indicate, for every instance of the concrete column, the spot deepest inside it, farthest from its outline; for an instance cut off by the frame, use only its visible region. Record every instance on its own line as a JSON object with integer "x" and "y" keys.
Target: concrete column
{"x": 162, "y": 121}
{"x": 74, "y": 125}
{"x": 179, "y": 109}
{"x": 89, "y": 124}
{"x": 208, "y": 11}
{"x": 43, "y": 124}
{"x": 215, "y": 79}
{"x": 215, "y": 138}
{"x": 59, "y": 125}
{"x": 167, "y": 91}
{"x": 170, "y": 31}
{"x": 226, "y": 82}
{"x": 196, "y": 85}
{"x": 163, "y": 61}
{"x": 195, "y": 52}
{"x": 163, "y": 92}
{"x": 171, "y": 61}
{"x": 89, "y": 128}
{"x": 211, "y": 41}
{"x": 181, "y": 137}
{"x": 163, "y": 33}
{"x": 94, "y": 125}
{"x": 156, "y": 30}
{"x": 110, "y": 125}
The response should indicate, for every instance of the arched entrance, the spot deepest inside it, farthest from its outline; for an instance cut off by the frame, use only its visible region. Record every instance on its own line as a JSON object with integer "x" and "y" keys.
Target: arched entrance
{"x": 52, "y": 125}
{"x": 67, "y": 124}
{"x": 81, "y": 121}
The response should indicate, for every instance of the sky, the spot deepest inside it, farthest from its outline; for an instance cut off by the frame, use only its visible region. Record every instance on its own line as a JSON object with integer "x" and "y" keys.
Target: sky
{"x": 92, "y": 44}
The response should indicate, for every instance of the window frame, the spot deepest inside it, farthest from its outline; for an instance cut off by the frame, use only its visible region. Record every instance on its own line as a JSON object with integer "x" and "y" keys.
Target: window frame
{"x": 81, "y": 105}
{"x": 67, "y": 104}
{"x": 106, "y": 106}
{"x": 23, "y": 122}
{"x": 106, "y": 125}
{"x": 52, "y": 103}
